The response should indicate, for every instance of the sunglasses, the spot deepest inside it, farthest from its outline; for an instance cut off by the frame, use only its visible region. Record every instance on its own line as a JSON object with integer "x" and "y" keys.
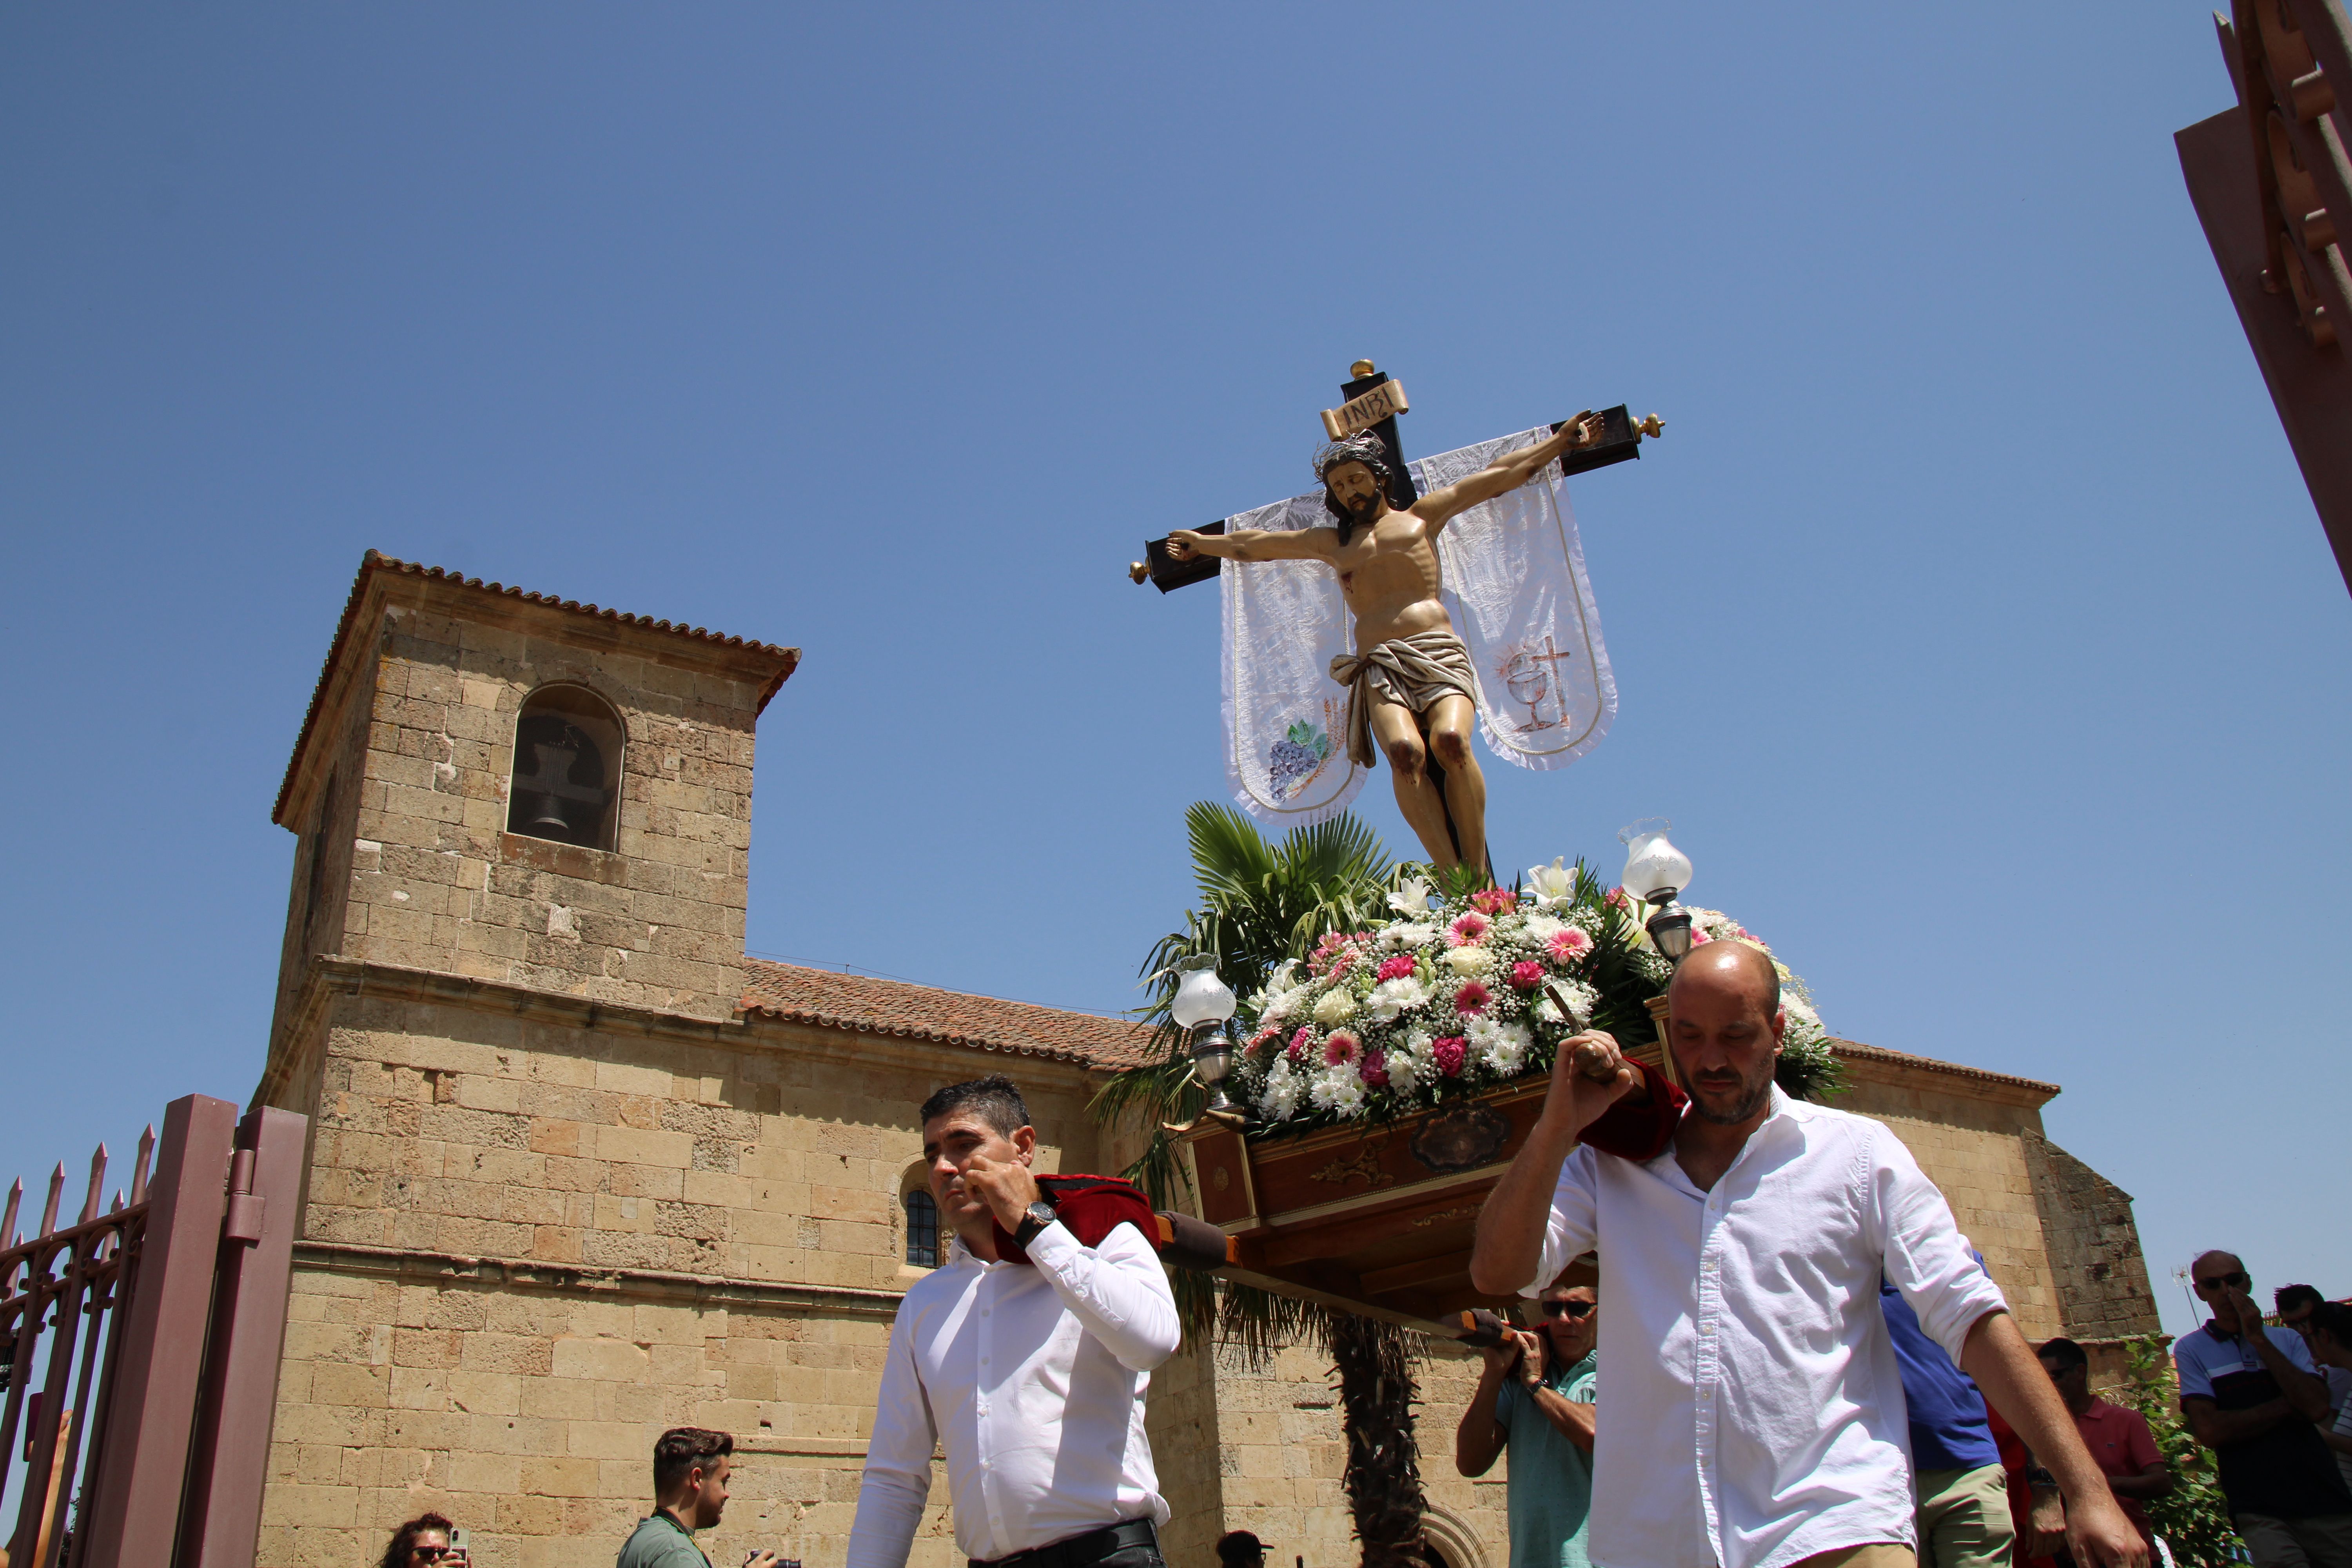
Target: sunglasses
{"x": 432, "y": 1554}
{"x": 2237, "y": 1281}
{"x": 1566, "y": 1309}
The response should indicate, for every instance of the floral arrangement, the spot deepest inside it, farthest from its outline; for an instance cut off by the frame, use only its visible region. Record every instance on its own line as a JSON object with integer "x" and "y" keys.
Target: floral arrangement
{"x": 1451, "y": 996}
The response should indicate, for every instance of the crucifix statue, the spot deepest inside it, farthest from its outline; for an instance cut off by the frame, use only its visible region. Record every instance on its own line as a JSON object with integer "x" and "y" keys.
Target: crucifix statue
{"x": 1410, "y": 682}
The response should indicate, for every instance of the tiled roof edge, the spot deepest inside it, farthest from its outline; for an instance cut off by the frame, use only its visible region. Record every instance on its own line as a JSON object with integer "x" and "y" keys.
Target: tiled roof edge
{"x": 1905, "y": 1058}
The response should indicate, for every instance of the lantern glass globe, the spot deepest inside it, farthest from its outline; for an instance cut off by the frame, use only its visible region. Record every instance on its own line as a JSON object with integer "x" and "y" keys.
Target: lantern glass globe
{"x": 1201, "y": 998}
{"x": 1654, "y": 869}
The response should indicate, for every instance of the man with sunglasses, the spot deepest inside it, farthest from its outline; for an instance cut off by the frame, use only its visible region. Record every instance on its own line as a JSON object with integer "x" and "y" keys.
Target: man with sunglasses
{"x": 1536, "y": 1398}
{"x": 2251, "y": 1393}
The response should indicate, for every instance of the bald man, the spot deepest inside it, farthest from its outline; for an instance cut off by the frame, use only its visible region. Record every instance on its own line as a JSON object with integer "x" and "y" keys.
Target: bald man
{"x": 2251, "y": 1394}
{"x": 1756, "y": 1415}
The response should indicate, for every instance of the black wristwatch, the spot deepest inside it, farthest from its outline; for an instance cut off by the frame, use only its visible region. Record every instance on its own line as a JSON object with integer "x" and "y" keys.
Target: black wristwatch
{"x": 1034, "y": 1219}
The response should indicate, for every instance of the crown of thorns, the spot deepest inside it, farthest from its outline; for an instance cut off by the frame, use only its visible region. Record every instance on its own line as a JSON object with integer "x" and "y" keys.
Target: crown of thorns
{"x": 1361, "y": 448}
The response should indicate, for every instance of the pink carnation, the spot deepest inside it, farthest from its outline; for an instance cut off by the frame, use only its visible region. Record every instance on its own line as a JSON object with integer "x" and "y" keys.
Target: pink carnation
{"x": 1698, "y": 936}
{"x": 1374, "y": 1069}
{"x": 1342, "y": 1049}
{"x": 1568, "y": 946}
{"x": 1398, "y": 968}
{"x": 1471, "y": 999}
{"x": 1495, "y": 901}
{"x": 1299, "y": 1042}
{"x": 1467, "y": 930}
{"x": 1258, "y": 1041}
{"x": 1450, "y": 1053}
{"x": 1527, "y": 974}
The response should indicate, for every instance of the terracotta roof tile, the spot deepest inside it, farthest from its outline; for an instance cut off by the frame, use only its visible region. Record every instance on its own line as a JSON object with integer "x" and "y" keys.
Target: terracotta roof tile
{"x": 864, "y": 1004}
{"x": 1860, "y": 1052}
{"x": 374, "y": 562}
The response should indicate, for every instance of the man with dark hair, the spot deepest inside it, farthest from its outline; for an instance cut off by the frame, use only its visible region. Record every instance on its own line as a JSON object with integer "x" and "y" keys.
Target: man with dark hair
{"x": 2119, "y": 1441}
{"x": 1409, "y": 684}
{"x": 2294, "y": 1304}
{"x": 690, "y": 1469}
{"x": 1240, "y": 1549}
{"x": 2251, "y": 1393}
{"x": 1755, "y": 1409}
{"x": 1024, "y": 1359}
{"x": 1536, "y": 1397}
{"x": 2329, "y": 1335}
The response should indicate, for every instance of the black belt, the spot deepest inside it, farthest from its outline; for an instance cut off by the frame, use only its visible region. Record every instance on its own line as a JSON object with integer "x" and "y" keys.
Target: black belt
{"x": 1080, "y": 1550}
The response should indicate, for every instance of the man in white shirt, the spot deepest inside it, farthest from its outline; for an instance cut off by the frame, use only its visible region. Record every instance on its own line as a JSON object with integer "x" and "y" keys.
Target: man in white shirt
{"x": 1029, "y": 1375}
{"x": 1756, "y": 1414}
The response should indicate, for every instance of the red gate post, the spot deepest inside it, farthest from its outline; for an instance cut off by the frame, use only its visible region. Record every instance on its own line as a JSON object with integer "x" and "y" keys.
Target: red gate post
{"x": 256, "y": 1259}
{"x": 135, "y": 1516}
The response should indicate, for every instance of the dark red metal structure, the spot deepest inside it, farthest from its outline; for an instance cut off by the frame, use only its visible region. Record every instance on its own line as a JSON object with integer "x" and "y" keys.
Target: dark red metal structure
{"x": 2273, "y": 189}
{"x": 140, "y": 1345}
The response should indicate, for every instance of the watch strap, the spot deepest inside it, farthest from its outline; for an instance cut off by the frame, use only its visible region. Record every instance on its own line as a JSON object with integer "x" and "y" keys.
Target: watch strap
{"x": 1031, "y": 1226}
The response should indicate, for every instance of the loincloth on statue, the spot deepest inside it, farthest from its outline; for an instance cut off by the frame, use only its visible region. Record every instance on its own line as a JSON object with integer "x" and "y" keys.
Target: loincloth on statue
{"x": 1411, "y": 672}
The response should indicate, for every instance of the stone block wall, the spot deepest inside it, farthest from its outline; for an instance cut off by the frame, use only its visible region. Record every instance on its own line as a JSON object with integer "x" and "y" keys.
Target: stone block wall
{"x": 2102, "y": 1285}
{"x": 538, "y": 1232}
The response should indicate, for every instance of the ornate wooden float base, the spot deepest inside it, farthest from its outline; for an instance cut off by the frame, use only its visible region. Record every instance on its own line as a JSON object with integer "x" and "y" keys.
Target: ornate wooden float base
{"x": 1374, "y": 1219}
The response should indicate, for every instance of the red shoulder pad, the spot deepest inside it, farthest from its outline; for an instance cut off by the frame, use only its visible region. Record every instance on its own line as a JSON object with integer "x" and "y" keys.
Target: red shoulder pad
{"x": 1091, "y": 1207}
{"x": 1638, "y": 1133}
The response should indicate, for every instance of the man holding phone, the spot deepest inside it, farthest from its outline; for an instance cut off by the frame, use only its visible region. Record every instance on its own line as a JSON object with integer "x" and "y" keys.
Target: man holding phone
{"x": 1536, "y": 1397}
{"x": 691, "y": 1465}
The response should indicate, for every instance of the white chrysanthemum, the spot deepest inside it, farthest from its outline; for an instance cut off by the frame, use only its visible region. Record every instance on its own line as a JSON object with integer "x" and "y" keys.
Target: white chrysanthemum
{"x": 1583, "y": 997}
{"x": 1407, "y": 934}
{"x": 1391, "y": 997}
{"x": 1541, "y": 929}
{"x": 1473, "y": 959}
{"x": 1336, "y": 1005}
{"x": 1502, "y": 1046}
{"x": 1282, "y": 1005}
{"x": 1338, "y": 1088}
{"x": 1280, "y": 1096}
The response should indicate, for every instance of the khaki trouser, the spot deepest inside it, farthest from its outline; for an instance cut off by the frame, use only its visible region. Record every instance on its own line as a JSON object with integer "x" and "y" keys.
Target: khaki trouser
{"x": 1963, "y": 1520}
{"x": 1879, "y": 1554}
{"x": 2321, "y": 1540}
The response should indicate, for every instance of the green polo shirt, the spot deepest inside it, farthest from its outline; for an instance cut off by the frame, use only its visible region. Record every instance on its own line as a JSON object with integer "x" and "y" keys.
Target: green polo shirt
{"x": 661, "y": 1542}
{"x": 1551, "y": 1478}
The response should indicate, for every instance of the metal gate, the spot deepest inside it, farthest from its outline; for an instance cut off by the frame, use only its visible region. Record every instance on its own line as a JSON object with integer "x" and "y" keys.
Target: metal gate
{"x": 140, "y": 1343}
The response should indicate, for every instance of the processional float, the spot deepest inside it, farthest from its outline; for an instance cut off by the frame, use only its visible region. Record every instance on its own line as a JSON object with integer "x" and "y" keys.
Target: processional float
{"x": 1378, "y": 1220}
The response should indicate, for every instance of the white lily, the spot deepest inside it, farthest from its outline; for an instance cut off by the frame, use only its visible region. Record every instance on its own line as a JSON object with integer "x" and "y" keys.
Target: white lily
{"x": 1411, "y": 896}
{"x": 1553, "y": 886}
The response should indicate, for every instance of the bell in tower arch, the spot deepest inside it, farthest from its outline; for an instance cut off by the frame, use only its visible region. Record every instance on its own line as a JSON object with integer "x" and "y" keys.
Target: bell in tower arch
{"x": 562, "y": 783}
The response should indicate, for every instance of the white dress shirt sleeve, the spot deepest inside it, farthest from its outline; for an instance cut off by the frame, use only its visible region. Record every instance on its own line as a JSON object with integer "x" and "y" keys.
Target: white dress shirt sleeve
{"x": 1920, "y": 1244}
{"x": 1117, "y": 1291}
{"x": 1568, "y": 1231}
{"x": 897, "y": 1479}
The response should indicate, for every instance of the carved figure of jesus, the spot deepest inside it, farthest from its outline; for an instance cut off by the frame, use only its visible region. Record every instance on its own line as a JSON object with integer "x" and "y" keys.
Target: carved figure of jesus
{"x": 1410, "y": 682}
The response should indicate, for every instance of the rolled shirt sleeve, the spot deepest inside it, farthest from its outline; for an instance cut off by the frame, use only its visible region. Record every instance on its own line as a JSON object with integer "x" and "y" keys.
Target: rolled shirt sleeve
{"x": 1925, "y": 1259}
{"x": 1570, "y": 1229}
{"x": 898, "y": 1478}
{"x": 1117, "y": 1291}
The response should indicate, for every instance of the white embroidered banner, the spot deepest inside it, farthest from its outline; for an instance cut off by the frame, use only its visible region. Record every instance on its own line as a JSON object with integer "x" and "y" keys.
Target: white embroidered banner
{"x": 1515, "y": 588}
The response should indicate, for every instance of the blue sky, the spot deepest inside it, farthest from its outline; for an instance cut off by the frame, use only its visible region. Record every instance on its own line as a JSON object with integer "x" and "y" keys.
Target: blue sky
{"x": 1970, "y": 620}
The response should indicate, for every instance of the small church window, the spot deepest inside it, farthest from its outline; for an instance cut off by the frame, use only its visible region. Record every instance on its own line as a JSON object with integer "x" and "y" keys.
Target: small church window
{"x": 923, "y": 1230}
{"x": 567, "y": 769}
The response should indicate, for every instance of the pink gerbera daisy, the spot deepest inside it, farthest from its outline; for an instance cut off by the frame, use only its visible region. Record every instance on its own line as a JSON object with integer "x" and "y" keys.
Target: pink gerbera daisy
{"x": 1467, "y": 930}
{"x": 1342, "y": 1049}
{"x": 1471, "y": 999}
{"x": 1570, "y": 945}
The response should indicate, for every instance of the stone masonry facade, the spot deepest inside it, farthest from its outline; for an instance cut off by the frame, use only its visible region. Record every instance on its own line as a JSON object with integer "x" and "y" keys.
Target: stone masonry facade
{"x": 581, "y": 1171}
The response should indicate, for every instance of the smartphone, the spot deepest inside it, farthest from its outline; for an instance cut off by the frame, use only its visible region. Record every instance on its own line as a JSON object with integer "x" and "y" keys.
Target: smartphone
{"x": 457, "y": 1554}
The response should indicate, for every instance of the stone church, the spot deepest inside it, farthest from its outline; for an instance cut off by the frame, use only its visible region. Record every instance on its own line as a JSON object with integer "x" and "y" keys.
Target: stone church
{"x": 579, "y": 1169}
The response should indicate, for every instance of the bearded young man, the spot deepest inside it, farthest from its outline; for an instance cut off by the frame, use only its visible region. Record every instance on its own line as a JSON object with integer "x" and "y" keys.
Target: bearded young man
{"x": 1756, "y": 1407}
{"x": 1410, "y": 683}
{"x": 1025, "y": 1358}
